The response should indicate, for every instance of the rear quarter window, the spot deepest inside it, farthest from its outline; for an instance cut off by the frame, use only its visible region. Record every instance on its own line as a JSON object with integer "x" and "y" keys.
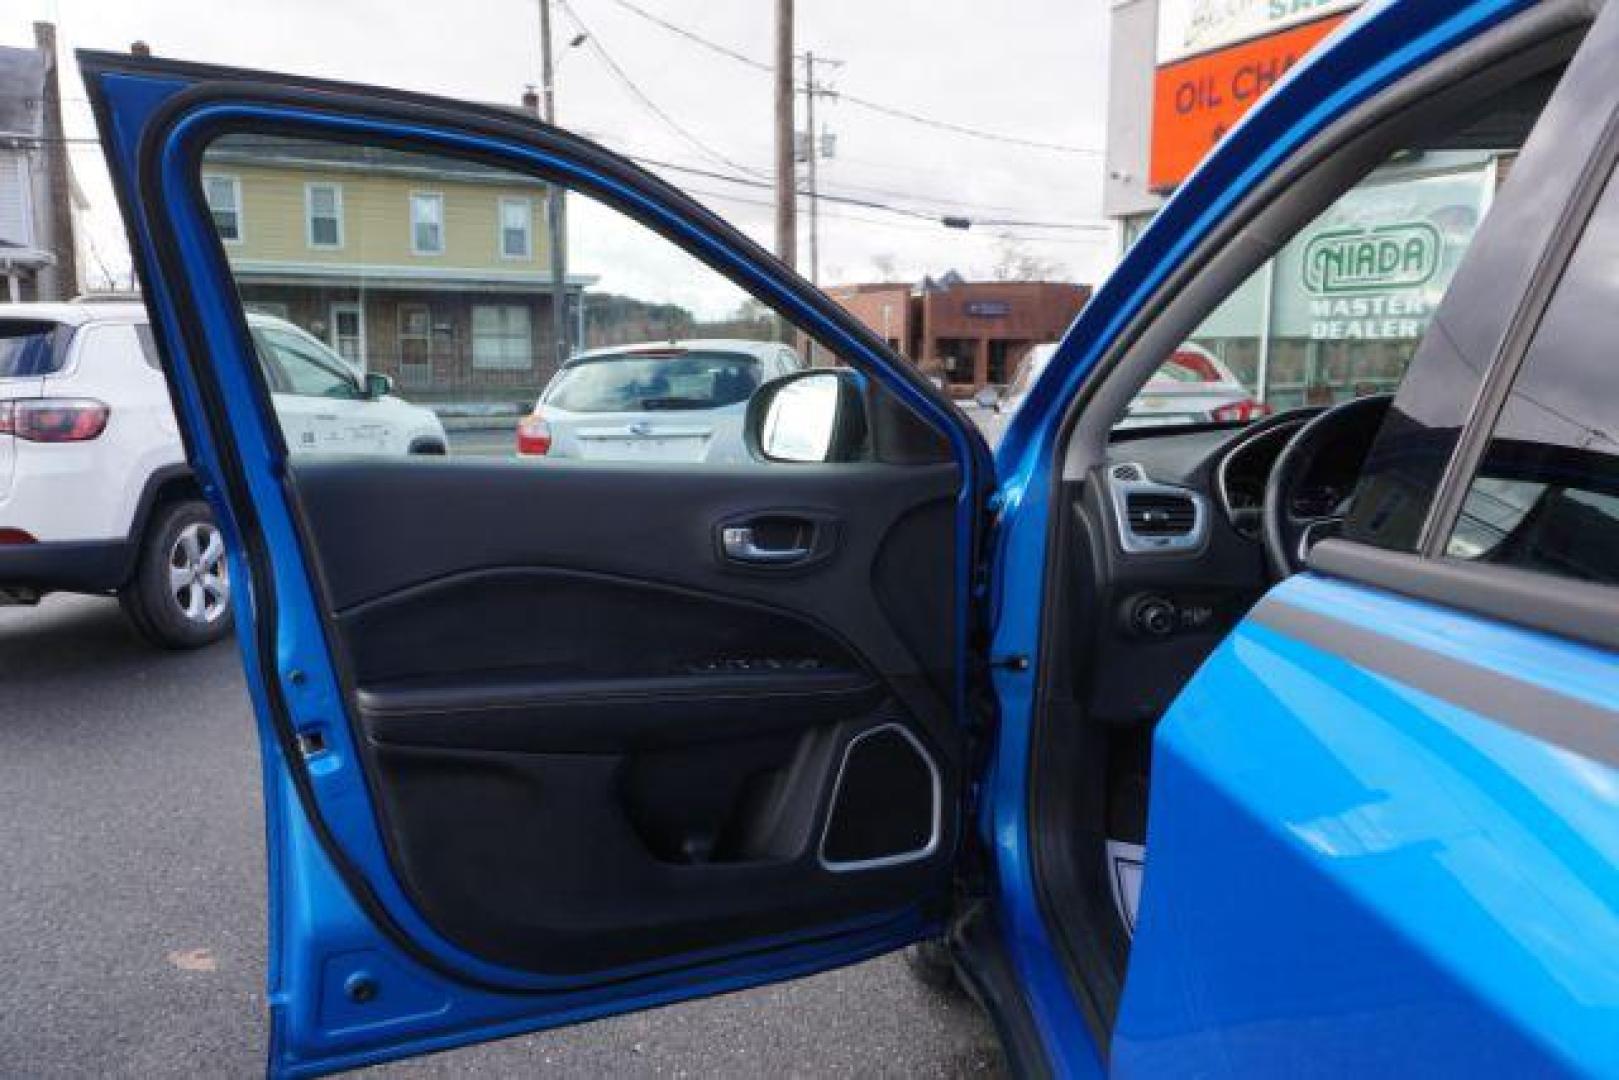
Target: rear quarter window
{"x": 31, "y": 348}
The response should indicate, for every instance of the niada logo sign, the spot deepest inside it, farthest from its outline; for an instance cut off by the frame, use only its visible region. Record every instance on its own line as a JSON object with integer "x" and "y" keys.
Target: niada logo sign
{"x": 1400, "y": 256}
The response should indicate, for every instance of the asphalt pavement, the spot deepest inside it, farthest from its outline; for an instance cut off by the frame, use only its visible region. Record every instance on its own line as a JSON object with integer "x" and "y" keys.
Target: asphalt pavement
{"x": 132, "y": 900}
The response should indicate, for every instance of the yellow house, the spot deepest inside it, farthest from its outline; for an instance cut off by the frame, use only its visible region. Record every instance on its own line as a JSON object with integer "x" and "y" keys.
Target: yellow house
{"x": 435, "y": 272}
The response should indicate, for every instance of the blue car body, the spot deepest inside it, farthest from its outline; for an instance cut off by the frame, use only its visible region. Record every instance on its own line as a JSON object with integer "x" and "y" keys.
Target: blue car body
{"x": 1356, "y": 863}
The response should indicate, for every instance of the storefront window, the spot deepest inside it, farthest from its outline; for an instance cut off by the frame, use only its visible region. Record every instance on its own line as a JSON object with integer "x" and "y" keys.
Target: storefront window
{"x": 1341, "y": 309}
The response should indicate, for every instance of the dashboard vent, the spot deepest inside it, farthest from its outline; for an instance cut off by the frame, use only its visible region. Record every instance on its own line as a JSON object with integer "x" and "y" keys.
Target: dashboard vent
{"x": 1160, "y": 514}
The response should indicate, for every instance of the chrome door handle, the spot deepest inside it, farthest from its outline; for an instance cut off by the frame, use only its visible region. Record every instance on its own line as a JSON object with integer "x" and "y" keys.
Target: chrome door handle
{"x": 740, "y": 545}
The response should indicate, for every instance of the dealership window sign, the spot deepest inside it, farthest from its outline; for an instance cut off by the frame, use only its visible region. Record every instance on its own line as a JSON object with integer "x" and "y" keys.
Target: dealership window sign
{"x": 1345, "y": 303}
{"x": 1374, "y": 267}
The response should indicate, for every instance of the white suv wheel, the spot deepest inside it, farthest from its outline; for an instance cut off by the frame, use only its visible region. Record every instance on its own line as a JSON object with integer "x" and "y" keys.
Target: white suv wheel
{"x": 198, "y": 578}
{"x": 179, "y": 596}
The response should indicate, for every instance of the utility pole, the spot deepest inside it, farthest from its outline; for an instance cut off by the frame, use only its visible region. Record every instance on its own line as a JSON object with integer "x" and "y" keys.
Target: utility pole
{"x": 814, "y": 147}
{"x": 61, "y": 281}
{"x": 811, "y": 152}
{"x": 786, "y": 171}
{"x": 556, "y": 211}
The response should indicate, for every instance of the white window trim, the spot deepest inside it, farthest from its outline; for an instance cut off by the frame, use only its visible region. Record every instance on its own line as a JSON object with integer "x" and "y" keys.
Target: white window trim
{"x": 443, "y": 224}
{"x": 528, "y": 228}
{"x": 309, "y": 214}
{"x": 236, "y": 198}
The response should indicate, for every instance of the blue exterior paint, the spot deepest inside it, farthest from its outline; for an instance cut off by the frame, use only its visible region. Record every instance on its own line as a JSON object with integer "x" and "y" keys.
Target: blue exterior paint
{"x": 1381, "y": 44}
{"x": 1350, "y": 876}
{"x": 1336, "y": 815}
{"x": 319, "y": 937}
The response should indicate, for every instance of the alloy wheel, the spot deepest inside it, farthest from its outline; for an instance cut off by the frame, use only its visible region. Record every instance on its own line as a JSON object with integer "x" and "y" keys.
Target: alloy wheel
{"x": 198, "y": 579}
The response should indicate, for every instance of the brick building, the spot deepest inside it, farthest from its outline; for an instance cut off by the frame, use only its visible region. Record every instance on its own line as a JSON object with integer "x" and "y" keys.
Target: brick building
{"x": 971, "y": 334}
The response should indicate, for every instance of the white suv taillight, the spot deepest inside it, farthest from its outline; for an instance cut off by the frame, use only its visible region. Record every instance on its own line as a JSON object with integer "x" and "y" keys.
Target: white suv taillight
{"x": 53, "y": 420}
{"x": 533, "y": 435}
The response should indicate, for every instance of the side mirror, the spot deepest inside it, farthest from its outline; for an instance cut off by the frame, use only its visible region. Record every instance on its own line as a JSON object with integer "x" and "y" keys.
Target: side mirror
{"x": 988, "y": 398}
{"x": 378, "y": 385}
{"x": 808, "y": 416}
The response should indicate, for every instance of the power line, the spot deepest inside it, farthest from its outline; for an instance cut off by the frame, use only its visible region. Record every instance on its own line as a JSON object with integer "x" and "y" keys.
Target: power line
{"x": 933, "y": 216}
{"x": 905, "y": 226}
{"x": 890, "y": 111}
{"x": 962, "y": 129}
{"x": 651, "y": 106}
{"x": 712, "y": 46}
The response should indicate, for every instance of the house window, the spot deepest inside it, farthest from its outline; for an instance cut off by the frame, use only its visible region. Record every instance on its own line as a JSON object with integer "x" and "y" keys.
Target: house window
{"x": 501, "y": 338}
{"x": 516, "y": 233}
{"x": 224, "y": 196}
{"x": 16, "y": 217}
{"x": 427, "y": 223}
{"x": 323, "y": 214}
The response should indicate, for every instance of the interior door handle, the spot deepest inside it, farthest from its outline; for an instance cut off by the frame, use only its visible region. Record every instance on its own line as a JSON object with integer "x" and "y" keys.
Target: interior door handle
{"x": 741, "y": 544}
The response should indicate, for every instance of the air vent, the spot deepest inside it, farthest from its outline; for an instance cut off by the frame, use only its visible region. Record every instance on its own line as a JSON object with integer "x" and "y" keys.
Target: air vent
{"x": 1155, "y": 518}
{"x": 1158, "y": 515}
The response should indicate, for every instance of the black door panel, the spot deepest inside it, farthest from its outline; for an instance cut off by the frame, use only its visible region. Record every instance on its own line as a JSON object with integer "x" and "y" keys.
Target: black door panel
{"x": 596, "y": 739}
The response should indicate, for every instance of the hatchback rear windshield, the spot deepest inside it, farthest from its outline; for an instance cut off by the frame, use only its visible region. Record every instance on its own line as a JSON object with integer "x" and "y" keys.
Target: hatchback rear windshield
{"x": 641, "y": 383}
{"x": 30, "y": 348}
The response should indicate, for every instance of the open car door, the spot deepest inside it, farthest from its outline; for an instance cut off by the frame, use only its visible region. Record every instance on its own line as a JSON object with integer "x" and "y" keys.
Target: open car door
{"x": 551, "y": 737}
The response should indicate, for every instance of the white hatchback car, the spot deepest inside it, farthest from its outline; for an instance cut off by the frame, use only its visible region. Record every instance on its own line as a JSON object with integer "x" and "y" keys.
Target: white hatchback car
{"x": 658, "y": 401}
{"x": 95, "y": 495}
{"x": 1192, "y": 387}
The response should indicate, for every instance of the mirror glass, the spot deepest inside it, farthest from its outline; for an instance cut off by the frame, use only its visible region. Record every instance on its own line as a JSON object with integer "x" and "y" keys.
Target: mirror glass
{"x": 801, "y": 418}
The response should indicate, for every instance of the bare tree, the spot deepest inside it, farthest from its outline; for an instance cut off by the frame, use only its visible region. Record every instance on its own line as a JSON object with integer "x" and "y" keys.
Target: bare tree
{"x": 887, "y": 266}
{"x": 1015, "y": 262}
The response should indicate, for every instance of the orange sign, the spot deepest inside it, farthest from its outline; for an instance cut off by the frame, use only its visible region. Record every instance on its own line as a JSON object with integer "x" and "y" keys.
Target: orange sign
{"x": 1197, "y": 100}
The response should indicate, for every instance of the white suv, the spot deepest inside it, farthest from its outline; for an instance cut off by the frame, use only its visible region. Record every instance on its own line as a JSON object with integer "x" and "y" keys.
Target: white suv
{"x": 95, "y": 495}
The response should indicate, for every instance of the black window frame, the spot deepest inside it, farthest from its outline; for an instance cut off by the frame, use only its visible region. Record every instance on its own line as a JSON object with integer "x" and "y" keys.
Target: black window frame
{"x": 1542, "y": 601}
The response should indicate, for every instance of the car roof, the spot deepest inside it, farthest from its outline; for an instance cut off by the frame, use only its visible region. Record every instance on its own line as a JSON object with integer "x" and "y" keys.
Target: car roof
{"x": 756, "y": 349}
{"x": 82, "y": 312}
{"x": 75, "y": 313}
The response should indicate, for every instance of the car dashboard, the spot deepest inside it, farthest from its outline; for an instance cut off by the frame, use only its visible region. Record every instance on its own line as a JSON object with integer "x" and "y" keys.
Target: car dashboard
{"x": 1166, "y": 555}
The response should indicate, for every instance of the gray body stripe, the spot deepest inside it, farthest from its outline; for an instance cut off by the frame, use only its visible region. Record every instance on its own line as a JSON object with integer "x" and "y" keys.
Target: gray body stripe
{"x": 1571, "y": 723}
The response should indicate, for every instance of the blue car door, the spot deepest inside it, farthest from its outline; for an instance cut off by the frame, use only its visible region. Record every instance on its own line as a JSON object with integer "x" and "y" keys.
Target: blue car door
{"x": 1383, "y": 832}
{"x": 551, "y": 736}
{"x": 1385, "y": 823}
{"x": 1379, "y": 799}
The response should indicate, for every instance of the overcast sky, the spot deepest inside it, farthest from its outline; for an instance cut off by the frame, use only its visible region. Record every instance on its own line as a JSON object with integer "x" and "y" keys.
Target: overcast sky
{"x": 1031, "y": 69}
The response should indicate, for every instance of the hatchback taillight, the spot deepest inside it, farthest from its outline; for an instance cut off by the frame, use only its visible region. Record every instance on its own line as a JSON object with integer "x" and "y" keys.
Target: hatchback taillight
{"x": 533, "y": 435}
{"x": 1241, "y": 412}
{"x": 53, "y": 420}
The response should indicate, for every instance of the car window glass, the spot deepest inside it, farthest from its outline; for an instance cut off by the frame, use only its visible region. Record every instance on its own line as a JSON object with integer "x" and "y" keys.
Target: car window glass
{"x": 305, "y": 369}
{"x": 1546, "y": 495}
{"x": 148, "y": 346}
{"x": 29, "y": 347}
{"x": 1339, "y": 312}
{"x": 661, "y": 382}
{"x": 618, "y": 347}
